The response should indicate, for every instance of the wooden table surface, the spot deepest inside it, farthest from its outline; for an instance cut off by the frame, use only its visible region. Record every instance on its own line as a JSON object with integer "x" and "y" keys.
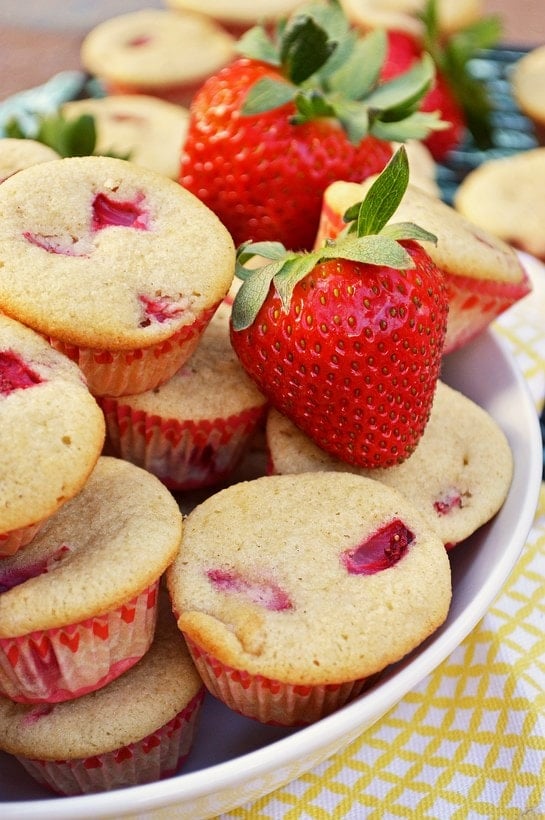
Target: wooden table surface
{"x": 37, "y": 39}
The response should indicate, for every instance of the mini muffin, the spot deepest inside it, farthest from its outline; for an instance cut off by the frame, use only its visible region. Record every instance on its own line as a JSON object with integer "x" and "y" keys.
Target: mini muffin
{"x": 193, "y": 430}
{"x": 118, "y": 266}
{"x": 505, "y": 196}
{"x": 148, "y": 131}
{"x": 86, "y": 608}
{"x": 458, "y": 476}
{"x": 528, "y": 88}
{"x": 156, "y": 51}
{"x": 51, "y": 433}
{"x": 138, "y": 729}
{"x": 483, "y": 274}
{"x": 404, "y": 15}
{"x": 16, "y": 154}
{"x": 238, "y": 16}
{"x": 293, "y": 592}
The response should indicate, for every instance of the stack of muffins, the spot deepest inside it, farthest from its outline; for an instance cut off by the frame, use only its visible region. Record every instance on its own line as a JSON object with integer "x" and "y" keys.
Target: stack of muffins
{"x": 138, "y": 243}
{"x": 85, "y": 537}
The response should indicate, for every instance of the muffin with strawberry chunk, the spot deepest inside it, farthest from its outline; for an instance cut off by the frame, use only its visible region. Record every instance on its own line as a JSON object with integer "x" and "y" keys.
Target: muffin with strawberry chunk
{"x": 51, "y": 433}
{"x": 79, "y": 606}
{"x": 289, "y": 615}
{"x": 144, "y": 129}
{"x": 159, "y": 52}
{"x": 16, "y": 154}
{"x": 458, "y": 476}
{"x": 483, "y": 274}
{"x": 137, "y": 729}
{"x": 118, "y": 266}
{"x": 192, "y": 431}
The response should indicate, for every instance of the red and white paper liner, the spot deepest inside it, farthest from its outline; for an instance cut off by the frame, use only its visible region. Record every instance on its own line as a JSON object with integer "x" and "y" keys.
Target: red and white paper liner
{"x": 124, "y": 372}
{"x": 155, "y": 757}
{"x": 58, "y": 664}
{"x": 271, "y": 701}
{"x": 472, "y": 309}
{"x": 184, "y": 455}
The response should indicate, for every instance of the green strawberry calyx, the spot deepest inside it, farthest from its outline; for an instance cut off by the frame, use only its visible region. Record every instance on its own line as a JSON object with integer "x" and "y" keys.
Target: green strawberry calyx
{"x": 452, "y": 55}
{"x": 368, "y": 239}
{"x": 327, "y": 69}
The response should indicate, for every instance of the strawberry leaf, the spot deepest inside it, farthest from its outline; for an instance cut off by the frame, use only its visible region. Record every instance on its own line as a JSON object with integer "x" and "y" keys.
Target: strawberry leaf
{"x": 338, "y": 70}
{"x": 295, "y": 269}
{"x": 267, "y": 94}
{"x": 304, "y": 49}
{"x": 372, "y": 215}
{"x": 354, "y": 118}
{"x": 452, "y": 57}
{"x": 252, "y": 293}
{"x": 369, "y": 250}
{"x": 360, "y": 73}
{"x": 402, "y": 95}
{"x": 68, "y": 137}
{"x": 267, "y": 250}
{"x": 311, "y": 105}
{"x": 369, "y": 241}
{"x": 416, "y": 126}
{"x": 257, "y": 45}
{"x": 383, "y": 197}
{"x": 408, "y": 230}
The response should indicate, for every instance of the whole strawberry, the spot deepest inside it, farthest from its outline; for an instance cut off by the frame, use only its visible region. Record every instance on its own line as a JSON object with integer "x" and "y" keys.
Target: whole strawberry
{"x": 404, "y": 49}
{"x": 347, "y": 341}
{"x": 273, "y": 129}
{"x": 461, "y": 100}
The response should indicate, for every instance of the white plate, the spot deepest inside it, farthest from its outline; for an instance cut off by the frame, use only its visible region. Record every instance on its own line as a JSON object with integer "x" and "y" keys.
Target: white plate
{"x": 236, "y": 760}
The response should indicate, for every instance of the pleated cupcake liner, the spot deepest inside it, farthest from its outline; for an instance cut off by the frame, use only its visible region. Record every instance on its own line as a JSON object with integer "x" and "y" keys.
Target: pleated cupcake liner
{"x": 155, "y": 757}
{"x": 125, "y": 372}
{"x": 186, "y": 454}
{"x": 54, "y": 665}
{"x": 271, "y": 701}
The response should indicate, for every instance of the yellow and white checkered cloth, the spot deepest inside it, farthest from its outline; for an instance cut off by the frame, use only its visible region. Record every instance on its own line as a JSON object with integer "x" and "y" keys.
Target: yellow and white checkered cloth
{"x": 469, "y": 741}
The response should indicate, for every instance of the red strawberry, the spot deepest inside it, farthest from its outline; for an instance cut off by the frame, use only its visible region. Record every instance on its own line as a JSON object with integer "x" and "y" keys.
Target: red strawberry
{"x": 347, "y": 341}
{"x": 403, "y": 51}
{"x": 461, "y": 100}
{"x": 273, "y": 129}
